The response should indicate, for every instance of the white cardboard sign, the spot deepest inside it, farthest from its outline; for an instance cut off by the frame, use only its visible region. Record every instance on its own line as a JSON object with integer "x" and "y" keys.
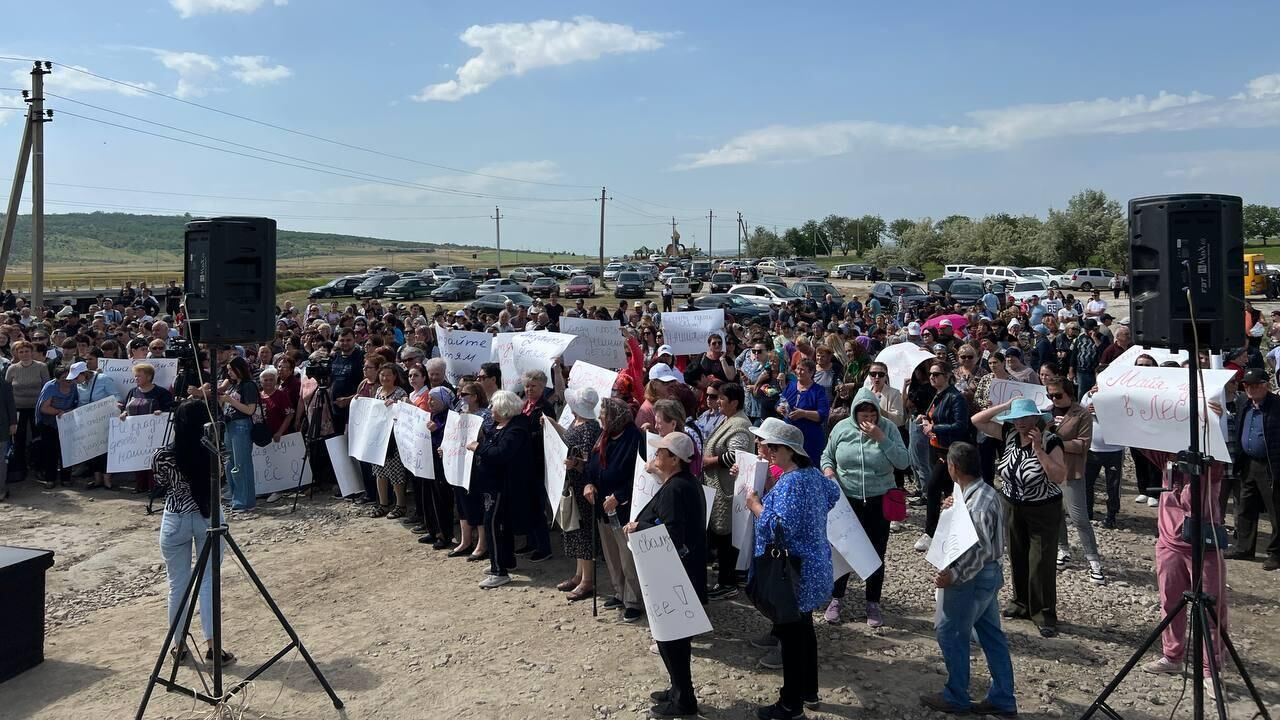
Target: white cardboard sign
{"x": 687, "y": 332}
{"x": 955, "y": 534}
{"x": 670, "y": 600}
{"x": 1003, "y": 391}
{"x": 752, "y": 473}
{"x": 554, "y": 454}
{"x": 643, "y": 487}
{"x": 121, "y": 373}
{"x": 584, "y": 374}
{"x": 413, "y": 440}
{"x": 132, "y": 441}
{"x": 463, "y": 351}
{"x": 1150, "y": 408}
{"x": 517, "y": 352}
{"x": 460, "y": 430}
{"x": 369, "y": 429}
{"x": 1130, "y": 357}
{"x": 277, "y": 466}
{"x": 83, "y": 432}
{"x": 350, "y": 481}
{"x": 849, "y": 540}
{"x": 598, "y": 342}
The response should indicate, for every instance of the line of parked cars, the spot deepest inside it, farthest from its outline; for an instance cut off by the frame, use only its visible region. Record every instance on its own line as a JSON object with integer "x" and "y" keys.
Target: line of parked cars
{"x": 457, "y": 283}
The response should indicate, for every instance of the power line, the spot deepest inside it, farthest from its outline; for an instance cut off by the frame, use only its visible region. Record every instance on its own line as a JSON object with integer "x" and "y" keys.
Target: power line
{"x": 72, "y": 203}
{"x": 312, "y": 136}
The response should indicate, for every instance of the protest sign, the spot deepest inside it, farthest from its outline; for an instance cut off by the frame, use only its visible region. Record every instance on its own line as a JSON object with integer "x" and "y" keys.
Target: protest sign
{"x": 1003, "y": 391}
{"x": 277, "y": 466}
{"x": 710, "y": 494}
{"x": 902, "y": 359}
{"x": 413, "y": 440}
{"x": 350, "y": 481}
{"x": 1130, "y": 356}
{"x": 460, "y": 430}
{"x": 651, "y": 441}
{"x": 752, "y": 473}
{"x": 519, "y": 352}
{"x": 670, "y": 599}
{"x": 369, "y": 430}
{"x": 83, "y": 432}
{"x": 849, "y": 539}
{"x": 554, "y": 453}
{"x": 133, "y": 440}
{"x": 121, "y": 373}
{"x": 1150, "y": 408}
{"x": 584, "y": 374}
{"x": 686, "y": 332}
{"x": 643, "y": 487}
{"x": 955, "y": 534}
{"x": 599, "y": 342}
{"x": 464, "y": 352}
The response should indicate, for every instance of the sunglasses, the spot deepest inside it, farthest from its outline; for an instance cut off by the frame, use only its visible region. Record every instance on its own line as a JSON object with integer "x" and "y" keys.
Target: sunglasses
{"x": 937, "y": 374}
{"x": 466, "y": 394}
{"x": 968, "y": 357}
{"x": 877, "y": 374}
{"x": 1055, "y": 396}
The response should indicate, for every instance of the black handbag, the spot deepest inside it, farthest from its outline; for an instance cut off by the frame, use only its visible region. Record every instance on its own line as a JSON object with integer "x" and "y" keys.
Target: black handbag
{"x": 260, "y": 434}
{"x": 772, "y": 585}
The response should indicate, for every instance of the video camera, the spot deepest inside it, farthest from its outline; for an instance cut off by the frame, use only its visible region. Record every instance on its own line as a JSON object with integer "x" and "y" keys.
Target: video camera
{"x": 188, "y": 364}
{"x": 321, "y": 371}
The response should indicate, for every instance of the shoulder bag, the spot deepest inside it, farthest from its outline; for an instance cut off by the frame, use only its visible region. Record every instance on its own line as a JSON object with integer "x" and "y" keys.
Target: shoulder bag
{"x": 772, "y": 586}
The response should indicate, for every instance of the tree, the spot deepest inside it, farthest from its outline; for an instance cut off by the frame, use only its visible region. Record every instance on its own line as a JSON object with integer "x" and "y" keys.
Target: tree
{"x": 763, "y": 242}
{"x": 885, "y": 256}
{"x": 799, "y": 240}
{"x": 835, "y": 229}
{"x": 1086, "y": 227}
{"x": 921, "y": 244}
{"x": 898, "y": 227}
{"x": 1261, "y": 222}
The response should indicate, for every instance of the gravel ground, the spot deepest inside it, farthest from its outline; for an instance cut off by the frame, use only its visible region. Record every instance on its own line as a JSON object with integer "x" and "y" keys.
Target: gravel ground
{"x": 403, "y": 632}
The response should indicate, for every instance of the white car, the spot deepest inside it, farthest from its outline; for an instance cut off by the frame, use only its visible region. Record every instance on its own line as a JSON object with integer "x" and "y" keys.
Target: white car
{"x": 1024, "y": 288}
{"x": 782, "y": 268}
{"x": 954, "y": 270}
{"x": 1086, "y": 279}
{"x": 669, "y": 273}
{"x": 680, "y": 287}
{"x": 1042, "y": 272}
{"x": 764, "y": 295}
{"x": 612, "y": 269}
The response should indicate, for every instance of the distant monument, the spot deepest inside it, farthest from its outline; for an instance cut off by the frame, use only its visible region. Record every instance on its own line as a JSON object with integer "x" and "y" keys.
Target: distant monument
{"x": 675, "y": 249}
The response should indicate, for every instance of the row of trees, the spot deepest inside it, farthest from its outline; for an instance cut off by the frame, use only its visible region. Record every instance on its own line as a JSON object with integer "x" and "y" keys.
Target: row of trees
{"x": 1090, "y": 230}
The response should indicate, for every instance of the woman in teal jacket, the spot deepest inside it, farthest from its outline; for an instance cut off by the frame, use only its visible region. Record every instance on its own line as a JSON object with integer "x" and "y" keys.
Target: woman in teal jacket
{"x": 861, "y": 455}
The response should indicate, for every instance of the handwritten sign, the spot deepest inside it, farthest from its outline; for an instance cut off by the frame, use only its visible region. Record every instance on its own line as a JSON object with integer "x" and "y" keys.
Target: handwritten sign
{"x": 464, "y": 352}
{"x": 955, "y": 535}
{"x": 902, "y": 359}
{"x": 460, "y": 430}
{"x": 849, "y": 540}
{"x": 670, "y": 599}
{"x": 83, "y": 432}
{"x": 584, "y": 374}
{"x": 517, "y": 353}
{"x": 413, "y": 440}
{"x": 278, "y": 466}
{"x": 687, "y": 332}
{"x": 1003, "y": 391}
{"x": 554, "y": 453}
{"x": 752, "y": 474}
{"x": 1150, "y": 408}
{"x": 350, "y": 481}
{"x": 132, "y": 441}
{"x": 369, "y": 430}
{"x": 643, "y": 487}
{"x": 1129, "y": 357}
{"x": 599, "y": 342}
{"x": 121, "y": 373}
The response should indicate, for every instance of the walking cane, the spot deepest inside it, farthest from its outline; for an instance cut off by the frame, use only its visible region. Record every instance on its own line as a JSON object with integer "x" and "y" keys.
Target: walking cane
{"x": 595, "y": 589}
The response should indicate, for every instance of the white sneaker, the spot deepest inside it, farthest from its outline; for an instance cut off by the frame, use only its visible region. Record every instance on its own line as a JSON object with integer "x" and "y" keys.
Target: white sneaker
{"x": 1163, "y": 666}
{"x": 273, "y": 497}
{"x": 1141, "y": 499}
{"x": 922, "y": 545}
{"x": 895, "y": 526}
{"x": 1064, "y": 557}
{"x": 1096, "y": 576}
{"x": 1153, "y": 502}
{"x": 494, "y": 581}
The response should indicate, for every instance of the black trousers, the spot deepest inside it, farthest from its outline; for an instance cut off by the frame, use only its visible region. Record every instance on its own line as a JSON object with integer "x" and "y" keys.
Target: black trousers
{"x": 21, "y": 462}
{"x": 799, "y": 661}
{"x": 677, "y": 655}
{"x": 502, "y": 539}
{"x": 1257, "y": 493}
{"x": 726, "y": 560}
{"x": 1032, "y": 532}
{"x": 1096, "y": 463}
{"x": 940, "y": 486}
{"x": 988, "y": 451}
{"x": 1145, "y": 472}
{"x": 900, "y": 476}
{"x": 870, "y": 513}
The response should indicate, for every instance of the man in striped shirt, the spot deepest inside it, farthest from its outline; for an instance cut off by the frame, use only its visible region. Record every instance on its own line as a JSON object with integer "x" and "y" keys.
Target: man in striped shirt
{"x": 969, "y": 601}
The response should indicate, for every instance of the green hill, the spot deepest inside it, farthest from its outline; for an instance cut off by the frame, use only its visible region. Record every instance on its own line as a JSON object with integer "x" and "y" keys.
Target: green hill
{"x": 122, "y": 237}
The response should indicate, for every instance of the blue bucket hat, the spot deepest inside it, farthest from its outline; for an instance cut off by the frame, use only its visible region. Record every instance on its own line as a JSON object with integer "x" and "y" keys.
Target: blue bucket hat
{"x": 1022, "y": 408}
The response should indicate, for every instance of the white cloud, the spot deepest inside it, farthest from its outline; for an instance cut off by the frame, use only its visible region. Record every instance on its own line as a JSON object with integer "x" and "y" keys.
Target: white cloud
{"x": 1003, "y": 128}
{"x": 64, "y": 80}
{"x": 1188, "y": 173}
{"x": 508, "y": 49}
{"x": 195, "y": 71}
{"x": 374, "y": 193}
{"x": 191, "y": 8}
{"x": 255, "y": 70}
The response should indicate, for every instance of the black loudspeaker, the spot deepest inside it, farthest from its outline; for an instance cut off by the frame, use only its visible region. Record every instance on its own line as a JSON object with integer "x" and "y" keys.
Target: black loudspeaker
{"x": 231, "y": 279}
{"x": 1181, "y": 243}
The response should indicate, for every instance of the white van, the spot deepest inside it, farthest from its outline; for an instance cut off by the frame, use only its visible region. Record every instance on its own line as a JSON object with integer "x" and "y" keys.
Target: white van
{"x": 954, "y": 270}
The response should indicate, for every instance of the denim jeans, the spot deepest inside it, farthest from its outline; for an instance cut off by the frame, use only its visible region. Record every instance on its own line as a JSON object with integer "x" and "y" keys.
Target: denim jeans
{"x": 918, "y": 448}
{"x": 970, "y": 608}
{"x": 240, "y": 468}
{"x": 181, "y": 535}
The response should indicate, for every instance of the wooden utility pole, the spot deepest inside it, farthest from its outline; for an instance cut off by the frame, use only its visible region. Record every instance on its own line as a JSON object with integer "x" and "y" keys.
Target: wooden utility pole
{"x": 37, "y": 182}
{"x": 603, "y": 197}
{"x": 497, "y": 229}
{"x": 711, "y": 217}
{"x": 15, "y": 193}
{"x": 742, "y": 234}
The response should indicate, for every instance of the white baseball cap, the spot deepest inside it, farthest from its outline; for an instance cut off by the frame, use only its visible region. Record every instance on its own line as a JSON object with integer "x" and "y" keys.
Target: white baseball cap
{"x": 665, "y": 350}
{"x": 662, "y": 372}
{"x": 76, "y": 370}
{"x": 913, "y": 328}
{"x": 678, "y": 444}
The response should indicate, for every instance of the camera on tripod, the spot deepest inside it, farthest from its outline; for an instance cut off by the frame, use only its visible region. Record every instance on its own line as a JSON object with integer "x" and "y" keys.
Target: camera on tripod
{"x": 184, "y": 352}
{"x": 321, "y": 371}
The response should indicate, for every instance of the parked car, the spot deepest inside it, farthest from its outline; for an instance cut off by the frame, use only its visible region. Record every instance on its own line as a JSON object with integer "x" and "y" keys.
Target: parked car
{"x": 966, "y": 290}
{"x": 954, "y": 270}
{"x": 499, "y": 285}
{"x": 543, "y": 287}
{"x": 455, "y": 289}
{"x": 456, "y": 271}
{"x": 376, "y": 270}
{"x": 1086, "y": 278}
{"x": 592, "y": 270}
{"x": 899, "y": 295}
{"x": 524, "y": 275}
{"x": 902, "y": 272}
{"x": 811, "y": 270}
{"x": 1048, "y": 274}
{"x": 497, "y": 302}
{"x": 764, "y": 295}
{"x": 856, "y": 271}
{"x": 337, "y": 287}
{"x": 375, "y": 285}
{"x": 482, "y": 274}
{"x": 612, "y": 269}
{"x": 817, "y": 288}
{"x": 737, "y": 308}
{"x": 700, "y": 269}
{"x": 580, "y": 286}
{"x": 669, "y": 273}
{"x": 408, "y": 289}
{"x": 438, "y": 276}
{"x": 629, "y": 284}
{"x": 722, "y": 281}
{"x": 680, "y": 286}
{"x": 786, "y": 268}
{"x": 1025, "y": 288}
{"x": 564, "y": 272}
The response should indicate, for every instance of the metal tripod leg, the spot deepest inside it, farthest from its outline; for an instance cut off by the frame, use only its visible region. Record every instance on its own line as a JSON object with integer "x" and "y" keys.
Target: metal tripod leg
{"x": 1201, "y": 619}
{"x": 1100, "y": 704}
{"x": 1212, "y": 615}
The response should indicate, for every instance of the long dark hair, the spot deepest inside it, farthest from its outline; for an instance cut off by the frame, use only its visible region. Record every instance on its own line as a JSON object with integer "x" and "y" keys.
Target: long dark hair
{"x": 240, "y": 367}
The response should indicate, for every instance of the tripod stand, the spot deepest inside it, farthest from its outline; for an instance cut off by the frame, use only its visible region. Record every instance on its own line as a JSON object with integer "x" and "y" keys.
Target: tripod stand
{"x": 323, "y": 401}
{"x": 1202, "y": 617}
{"x": 211, "y": 558}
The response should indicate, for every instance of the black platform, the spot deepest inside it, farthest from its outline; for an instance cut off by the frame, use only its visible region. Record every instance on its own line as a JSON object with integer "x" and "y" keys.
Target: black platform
{"x": 22, "y": 608}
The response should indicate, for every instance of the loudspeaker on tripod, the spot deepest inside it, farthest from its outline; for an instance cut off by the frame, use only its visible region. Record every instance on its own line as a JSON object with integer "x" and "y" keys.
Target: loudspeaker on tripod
{"x": 230, "y": 278}
{"x": 1187, "y": 242}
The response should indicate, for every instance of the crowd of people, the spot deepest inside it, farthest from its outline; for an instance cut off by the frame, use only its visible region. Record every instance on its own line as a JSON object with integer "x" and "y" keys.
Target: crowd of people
{"x": 805, "y": 390}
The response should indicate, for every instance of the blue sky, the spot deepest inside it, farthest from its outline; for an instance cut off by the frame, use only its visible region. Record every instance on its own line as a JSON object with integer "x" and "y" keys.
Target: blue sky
{"x": 780, "y": 113}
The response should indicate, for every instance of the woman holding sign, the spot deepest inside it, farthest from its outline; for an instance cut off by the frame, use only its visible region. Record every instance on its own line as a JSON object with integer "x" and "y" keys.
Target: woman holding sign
{"x": 579, "y": 438}
{"x": 732, "y": 436}
{"x": 501, "y": 453}
{"x": 391, "y": 475}
{"x": 679, "y": 505}
{"x": 57, "y": 397}
{"x": 1031, "y": 470}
